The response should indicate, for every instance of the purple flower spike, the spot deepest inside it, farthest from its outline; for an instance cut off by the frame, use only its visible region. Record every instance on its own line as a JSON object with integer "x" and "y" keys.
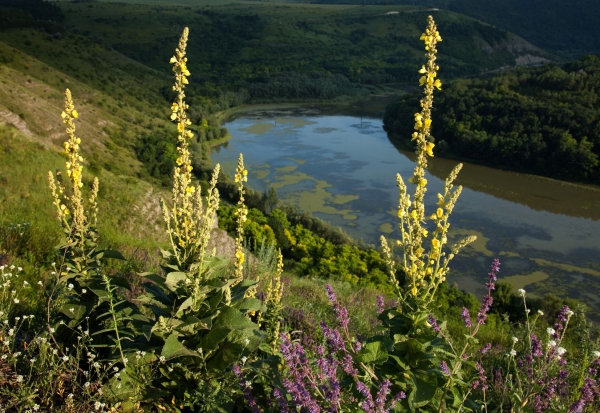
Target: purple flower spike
{"x": 434, "y": 325}
{"x": 466, "y": 316}
{"x": 330, "y": 294}
{"x": 493, "y": 274}
{"x": 485, "y": 348}
{"x": 444, "y": 368}
{"x": 380, "y": 304}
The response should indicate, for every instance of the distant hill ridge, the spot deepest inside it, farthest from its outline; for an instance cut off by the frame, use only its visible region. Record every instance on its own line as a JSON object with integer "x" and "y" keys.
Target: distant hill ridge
{"x": 566, "y": 27}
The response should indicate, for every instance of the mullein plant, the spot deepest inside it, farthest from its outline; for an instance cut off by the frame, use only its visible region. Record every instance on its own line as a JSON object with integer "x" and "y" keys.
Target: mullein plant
{"x": 412, "y": 351}
{"x": 202, "y": 307}
{"x": 86, "y": 295}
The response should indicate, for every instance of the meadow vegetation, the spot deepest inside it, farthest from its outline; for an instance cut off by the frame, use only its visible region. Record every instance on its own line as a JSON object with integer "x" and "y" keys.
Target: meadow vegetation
{"x": 106, "y": 323}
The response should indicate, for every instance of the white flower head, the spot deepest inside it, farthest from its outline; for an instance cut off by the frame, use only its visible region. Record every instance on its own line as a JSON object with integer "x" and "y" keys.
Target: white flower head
{"x": 514, "y": 339}
{"x": 70, "y": 286}
{"x": 540, "y": 312}
{"x": 551, "y": 343}
{"x": 521, "y": 292}
{"x": 550, "y": 331}
{"x": 512, "y": 353}
{"x": 561, "y": 351}
{"x": 596, "y": 354}
{"x": 570, "y": 313}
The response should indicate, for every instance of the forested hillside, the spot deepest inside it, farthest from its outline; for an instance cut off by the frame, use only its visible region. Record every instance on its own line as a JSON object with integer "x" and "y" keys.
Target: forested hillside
{"x": 272, "y": 52}
{"x": 568, "y": 28}
{"x": 545, "y": 120}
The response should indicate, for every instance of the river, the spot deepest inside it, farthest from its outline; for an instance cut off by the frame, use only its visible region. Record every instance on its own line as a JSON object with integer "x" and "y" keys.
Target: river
{"x": 342, "y": 168}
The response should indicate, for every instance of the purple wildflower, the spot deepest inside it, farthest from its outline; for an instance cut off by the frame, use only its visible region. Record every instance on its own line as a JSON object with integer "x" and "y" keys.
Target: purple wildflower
{"x": 380, "y": 304}
{"x": 348, "y": 365}
{"x": 486, "y": 304}
{"x": 493, "y": 274}
{"x": 536, "y": 346}
{"x": 481, "y": 382}
{"x": 362, "y": 388}
{"x": 485, "y": 348}
{"x": 466, "y": 316}
{"x": 382, "y": 394}
{"x": 587, "y": 396}
{"x": 433, "y": 323}
{"x": 341, "y": 313}
{"x": 246, "y": 385}
{"x": 333, "y": 338}
{"x": 330, "y": 294}
{"x": 444, "y": 368}
{"x": 281, "y": 401}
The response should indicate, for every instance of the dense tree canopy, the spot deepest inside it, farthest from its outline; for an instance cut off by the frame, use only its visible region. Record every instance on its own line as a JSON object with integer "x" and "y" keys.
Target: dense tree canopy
{"x": 544, "y": 120}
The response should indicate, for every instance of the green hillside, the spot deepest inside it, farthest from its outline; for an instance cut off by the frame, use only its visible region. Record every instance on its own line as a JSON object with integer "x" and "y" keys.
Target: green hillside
{"x": 543, "y": 120}
{"x": 568, "y": 28}
{"x": 275, "y": 51}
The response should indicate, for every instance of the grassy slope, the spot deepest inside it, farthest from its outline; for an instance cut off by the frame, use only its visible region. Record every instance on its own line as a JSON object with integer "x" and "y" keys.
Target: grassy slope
{"x": 111, "y": 115}
{"x": 231, "y": 43}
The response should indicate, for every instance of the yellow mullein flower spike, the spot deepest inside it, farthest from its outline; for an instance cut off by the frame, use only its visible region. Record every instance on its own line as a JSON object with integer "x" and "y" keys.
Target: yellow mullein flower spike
{"x": 424, "y": 269}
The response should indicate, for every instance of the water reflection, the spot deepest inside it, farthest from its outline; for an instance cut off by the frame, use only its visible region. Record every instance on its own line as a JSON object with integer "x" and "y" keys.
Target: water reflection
{"x": 342, "y": 169}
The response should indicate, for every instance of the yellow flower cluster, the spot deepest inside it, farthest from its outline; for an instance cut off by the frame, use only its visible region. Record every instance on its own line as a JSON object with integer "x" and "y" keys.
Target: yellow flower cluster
{"x": 188, "y": 220}
{"x": 241, "y": 176}
{"x": 70, "y": 206}
{"x": 424, "y": 264}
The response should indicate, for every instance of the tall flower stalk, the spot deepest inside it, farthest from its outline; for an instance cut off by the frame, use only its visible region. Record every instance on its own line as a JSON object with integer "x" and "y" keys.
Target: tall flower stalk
{"x": 189, "y": 221}
{"x": 76, "y": 221}
{"x": 423, "y": 263}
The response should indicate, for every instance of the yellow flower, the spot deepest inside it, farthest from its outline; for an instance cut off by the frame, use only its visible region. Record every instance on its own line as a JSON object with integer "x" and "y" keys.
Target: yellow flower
{"x": 413, "y": 214}
{"x": 189, "y": 134}
{"x": 414, "y": 291}
{"x": 173, "y": 115}
{"x": 429, "y": 148}
{"x": 75, "y": 114}
{"x": 190, "y": 190}
{"x": 180, "y": 127}
{"x": 400, "y": 213}
{"x": 423, "y": 182}
{"x": 174, "y": 107}
{"x": 435, "y": 243}
{"x": 240, "y": 256}
{"x": 422, "y": 69}
{"x": 439, "y": 212}
{"x": 438, "y": 84}
{"x": 184, "y": 69}
{"x": 173, "y": 60}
